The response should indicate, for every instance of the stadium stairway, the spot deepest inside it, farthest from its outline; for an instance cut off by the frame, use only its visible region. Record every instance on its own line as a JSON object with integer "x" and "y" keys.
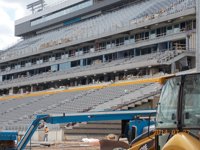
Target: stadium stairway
{"x": 97, "y": 130}
{"x": 174, "y": 56}
{"x": 147, "y": 98}
{"x": 138, "y": 97}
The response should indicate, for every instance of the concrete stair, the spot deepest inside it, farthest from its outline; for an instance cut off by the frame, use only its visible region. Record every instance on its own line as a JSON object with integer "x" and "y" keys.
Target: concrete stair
{"x": 148, "y": 102}
{"x": 93, "y": 130}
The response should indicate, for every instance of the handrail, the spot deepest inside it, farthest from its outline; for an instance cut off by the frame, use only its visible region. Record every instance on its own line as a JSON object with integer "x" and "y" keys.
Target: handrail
{"x": 13, "y": 54}
{"x": 97, "y": 50}
{"x": 151, "y": 56}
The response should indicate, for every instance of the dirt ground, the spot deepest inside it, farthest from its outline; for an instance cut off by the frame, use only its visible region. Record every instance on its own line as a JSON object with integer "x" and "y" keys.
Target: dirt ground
{"x": 67, "y": 146}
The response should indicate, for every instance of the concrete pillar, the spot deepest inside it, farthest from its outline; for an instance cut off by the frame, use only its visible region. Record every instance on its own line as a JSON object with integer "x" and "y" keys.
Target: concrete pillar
{"x": 198, "y": 35}
{"x": 21, "y": 91}
{"x": 173, "y": 67}
{"x": 168, "y": 45}
{"x": 187, "y": 42}
{"x": 104, "y": 58}
{"x": 193, "y": 61}
{"x": 81, "y": 62}
{"x": 158, "y": 48}
{"x": 86, "y": 81}
{"x": 153, "y": 71}
{"x": 11, "y": 91}
{"x": 32, "y": 89}
{"x": 117, "y": 78}
{"x": 75, "y": 82}
{"x": 93, "y": 81}
{"x": 134, "y": 52}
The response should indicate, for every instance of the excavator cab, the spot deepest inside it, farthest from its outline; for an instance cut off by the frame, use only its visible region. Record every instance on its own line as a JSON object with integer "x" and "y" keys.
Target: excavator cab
{"x": 178, "y": 114}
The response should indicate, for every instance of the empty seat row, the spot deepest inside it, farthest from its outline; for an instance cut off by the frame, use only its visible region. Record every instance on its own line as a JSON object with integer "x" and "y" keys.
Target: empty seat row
{"x": 21, "y": 111}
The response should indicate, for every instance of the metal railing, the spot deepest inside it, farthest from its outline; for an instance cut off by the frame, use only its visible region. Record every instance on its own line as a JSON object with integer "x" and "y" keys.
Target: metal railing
{"x": 159, "y": 58}
{"x": 96, "y": 51}
{"x": 190, "y": 4}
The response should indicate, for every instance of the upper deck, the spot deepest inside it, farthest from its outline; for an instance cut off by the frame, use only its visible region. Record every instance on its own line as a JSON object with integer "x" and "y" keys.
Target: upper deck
{"x": 59, "y": 15}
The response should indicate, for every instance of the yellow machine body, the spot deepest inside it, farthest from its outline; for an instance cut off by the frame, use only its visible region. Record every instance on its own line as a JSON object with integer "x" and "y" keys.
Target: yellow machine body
{"x": 145, "y": 143}
{"x": 182, "y": 141}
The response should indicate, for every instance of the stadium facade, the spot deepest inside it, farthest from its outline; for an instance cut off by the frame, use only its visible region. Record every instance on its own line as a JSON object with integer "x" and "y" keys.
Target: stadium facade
{"x": 93, "y": 41}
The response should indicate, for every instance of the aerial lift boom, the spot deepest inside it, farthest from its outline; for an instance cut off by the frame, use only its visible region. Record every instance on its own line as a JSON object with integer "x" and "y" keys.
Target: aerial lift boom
{"x": 81, "y": 117}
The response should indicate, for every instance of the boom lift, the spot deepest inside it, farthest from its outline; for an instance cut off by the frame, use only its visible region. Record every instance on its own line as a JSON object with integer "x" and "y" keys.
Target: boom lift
{"x": 83, "y": 117}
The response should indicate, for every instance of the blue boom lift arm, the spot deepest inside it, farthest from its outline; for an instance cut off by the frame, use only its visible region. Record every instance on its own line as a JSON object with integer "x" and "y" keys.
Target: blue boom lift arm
{"x": 81, "y": 117}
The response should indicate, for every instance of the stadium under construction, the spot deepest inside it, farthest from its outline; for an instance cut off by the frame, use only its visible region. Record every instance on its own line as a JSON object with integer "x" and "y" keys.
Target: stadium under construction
{"x": 94, "y": 55}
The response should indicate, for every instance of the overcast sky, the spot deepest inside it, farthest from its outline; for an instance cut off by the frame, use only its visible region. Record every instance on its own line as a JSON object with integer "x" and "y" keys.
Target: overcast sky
{"x": 10, "y": 10}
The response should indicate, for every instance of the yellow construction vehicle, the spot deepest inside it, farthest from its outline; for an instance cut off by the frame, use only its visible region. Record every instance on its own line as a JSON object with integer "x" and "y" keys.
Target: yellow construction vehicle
{"x": 178, "y": 116}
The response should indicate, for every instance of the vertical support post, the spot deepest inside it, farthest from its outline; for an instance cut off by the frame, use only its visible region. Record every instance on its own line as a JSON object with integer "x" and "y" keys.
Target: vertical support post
{"x": 158, "y": 48}
{"x": 81, "y": 62}
{"x": 87, "y": 81}
{"x": 134, "y": 52}
{"x": 11, "y": 91}
{"x": 173, "y": 67}
{"x": 198, "y": 35}
{"x": 187, "y": 42}
{"x": 21, "y": 90}
{"x": 104, "y": 58}
{"x": 32, "y": 88}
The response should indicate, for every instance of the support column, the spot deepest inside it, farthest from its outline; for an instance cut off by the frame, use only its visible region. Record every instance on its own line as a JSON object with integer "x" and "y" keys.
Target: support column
{"x": 76, "y": 82}
{"x": 21, "y": 90}
{"x": 11, "y": 91}
{"x": 87, "y": 81}
{"x": 134, "y": 52}
{"x": 153, "y": 71}
{"x": 104, "y": 58}
{"x": 173, "y": 68}
{"x": 81, "y": 62}
{"x": 117, "y": 77}
{"x": 31, "y": 88}
{"x": 187, "y": 42}
{"x": 168, "y": 45}
{"x": 158, "y": 48}
{"x": 198, "y": 35}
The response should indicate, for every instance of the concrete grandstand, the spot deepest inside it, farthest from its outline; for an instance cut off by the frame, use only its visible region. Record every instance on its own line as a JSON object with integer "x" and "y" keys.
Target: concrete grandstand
{"x": 86, "y": 56}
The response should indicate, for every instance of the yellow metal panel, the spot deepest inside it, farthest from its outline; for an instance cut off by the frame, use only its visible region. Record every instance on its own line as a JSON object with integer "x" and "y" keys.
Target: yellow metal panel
{"x": 182, "y": 141}
{"x": 144, "y": 143}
